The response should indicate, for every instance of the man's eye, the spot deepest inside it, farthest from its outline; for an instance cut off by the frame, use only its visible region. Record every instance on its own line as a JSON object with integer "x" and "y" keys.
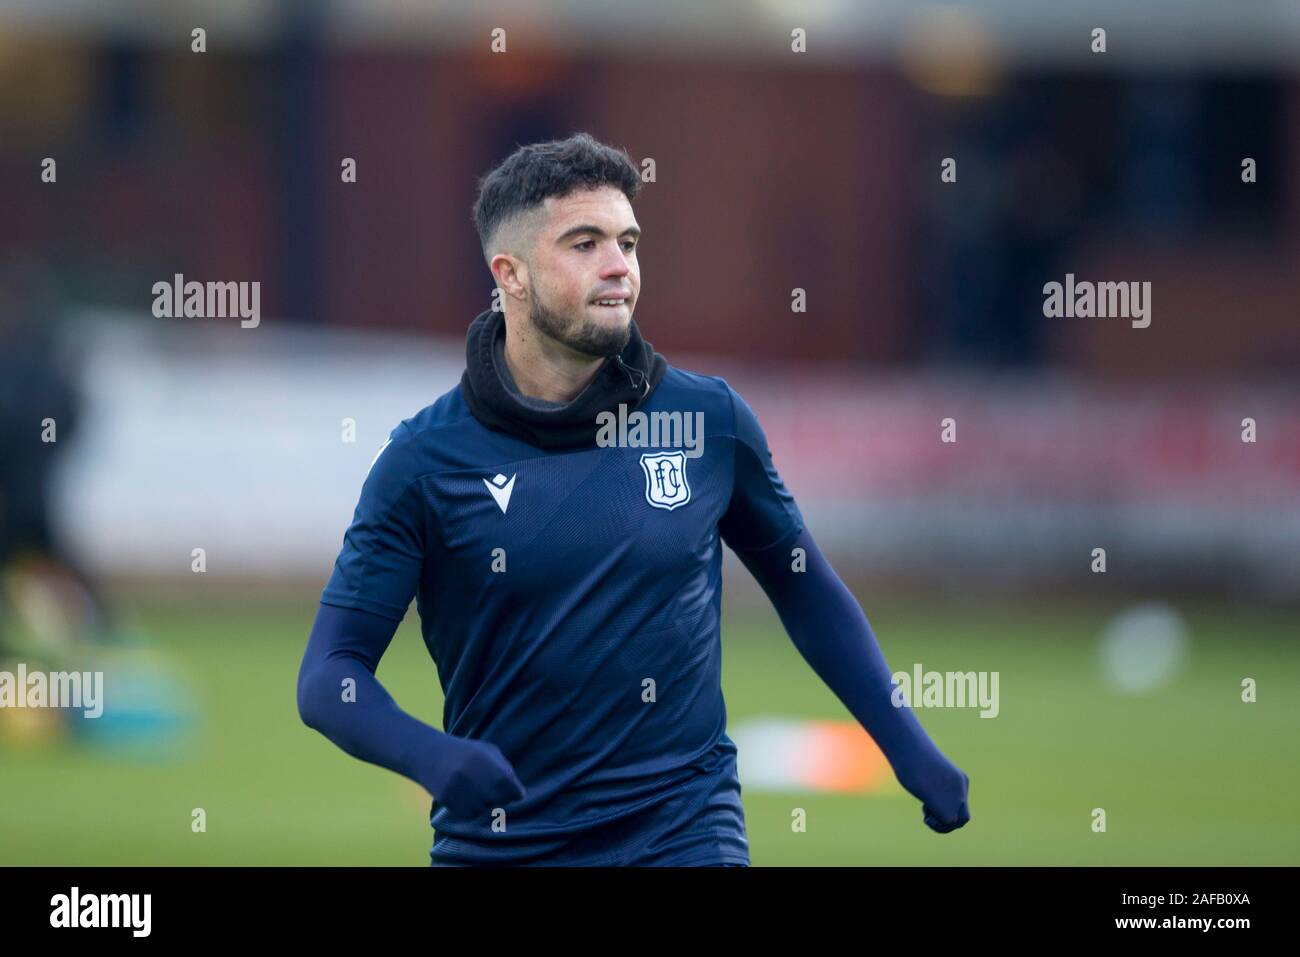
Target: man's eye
{"x": 628, "y": 244}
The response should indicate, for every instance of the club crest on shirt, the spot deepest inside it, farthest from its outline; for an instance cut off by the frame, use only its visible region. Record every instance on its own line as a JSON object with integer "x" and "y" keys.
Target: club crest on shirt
{"x": 665, "y": 479}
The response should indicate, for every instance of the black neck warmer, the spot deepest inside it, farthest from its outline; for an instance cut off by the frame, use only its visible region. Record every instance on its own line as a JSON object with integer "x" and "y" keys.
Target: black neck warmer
{"x": 629, "y": 378}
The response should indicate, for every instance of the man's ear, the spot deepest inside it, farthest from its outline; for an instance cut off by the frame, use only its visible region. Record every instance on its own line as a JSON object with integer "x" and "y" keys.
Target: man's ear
{"x": 511, "y": 274}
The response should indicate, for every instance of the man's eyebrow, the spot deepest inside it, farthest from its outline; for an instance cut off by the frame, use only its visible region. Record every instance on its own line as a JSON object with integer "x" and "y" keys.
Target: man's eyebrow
{"x": 595, "y": 231}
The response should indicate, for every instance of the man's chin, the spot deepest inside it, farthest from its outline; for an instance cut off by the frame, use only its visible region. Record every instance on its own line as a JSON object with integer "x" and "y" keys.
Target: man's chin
{"x": 591, "y": 333}
{"x": 608, "y": 335}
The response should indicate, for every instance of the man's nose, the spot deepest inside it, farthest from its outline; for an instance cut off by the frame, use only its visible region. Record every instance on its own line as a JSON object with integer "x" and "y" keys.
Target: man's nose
{"x": 615, "y": 263}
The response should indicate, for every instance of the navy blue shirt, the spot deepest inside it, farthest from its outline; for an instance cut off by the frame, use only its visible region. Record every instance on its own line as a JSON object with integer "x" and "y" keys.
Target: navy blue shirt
{"x": 570, "y": 599}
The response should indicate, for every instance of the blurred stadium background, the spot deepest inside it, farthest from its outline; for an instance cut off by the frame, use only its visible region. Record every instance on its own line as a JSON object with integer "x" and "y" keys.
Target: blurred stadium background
{"x": 774, "y": 171}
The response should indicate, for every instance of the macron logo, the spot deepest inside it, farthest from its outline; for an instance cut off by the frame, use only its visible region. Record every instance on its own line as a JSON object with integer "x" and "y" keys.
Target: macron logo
{"x": 500, "y": 489}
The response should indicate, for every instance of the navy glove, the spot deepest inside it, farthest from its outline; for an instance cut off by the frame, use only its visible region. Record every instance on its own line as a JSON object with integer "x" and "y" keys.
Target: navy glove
{"x": 471, "y": 777}
{"x": 942, "y": 788}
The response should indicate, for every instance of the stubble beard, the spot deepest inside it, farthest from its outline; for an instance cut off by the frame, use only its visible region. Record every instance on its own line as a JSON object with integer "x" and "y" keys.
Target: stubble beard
{"x": 582, "y": 335}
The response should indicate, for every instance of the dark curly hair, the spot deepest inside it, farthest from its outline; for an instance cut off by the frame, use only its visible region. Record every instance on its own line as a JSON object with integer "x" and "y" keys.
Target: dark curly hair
{"x": 532, "y": 173}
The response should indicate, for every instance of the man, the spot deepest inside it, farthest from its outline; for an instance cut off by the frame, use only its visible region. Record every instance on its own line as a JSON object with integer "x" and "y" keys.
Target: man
{"x": 41, "y": 408}
{"x": 568, "y": 587}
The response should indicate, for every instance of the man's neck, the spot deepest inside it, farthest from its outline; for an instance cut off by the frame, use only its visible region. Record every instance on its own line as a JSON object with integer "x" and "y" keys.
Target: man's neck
{"x": 543, "y": 368}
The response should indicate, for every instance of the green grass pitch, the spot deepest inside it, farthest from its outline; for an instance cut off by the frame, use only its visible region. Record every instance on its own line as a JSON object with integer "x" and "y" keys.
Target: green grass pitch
{"x": 1187, "y": 775}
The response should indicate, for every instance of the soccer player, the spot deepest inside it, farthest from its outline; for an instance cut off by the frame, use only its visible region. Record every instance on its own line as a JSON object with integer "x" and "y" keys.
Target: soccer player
{"x": 569, "y": 586}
